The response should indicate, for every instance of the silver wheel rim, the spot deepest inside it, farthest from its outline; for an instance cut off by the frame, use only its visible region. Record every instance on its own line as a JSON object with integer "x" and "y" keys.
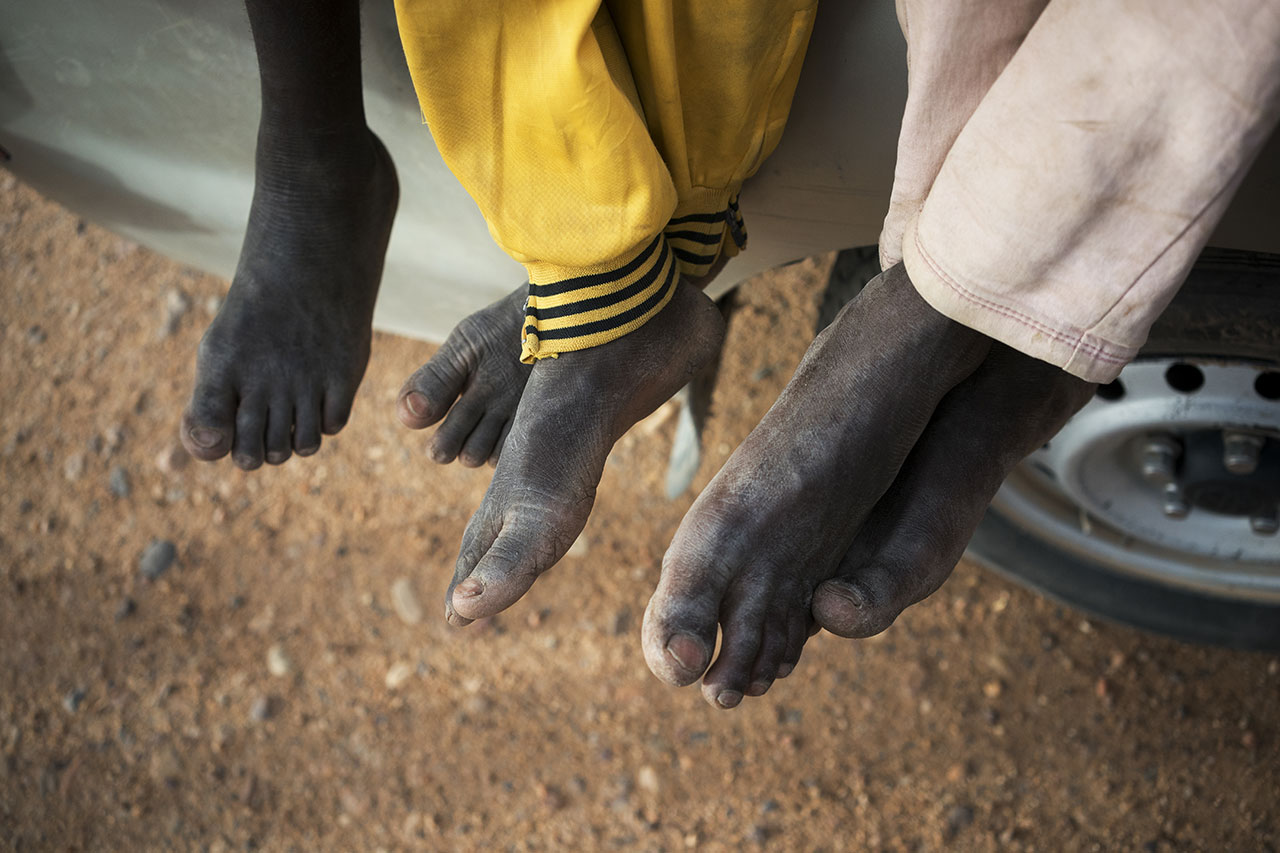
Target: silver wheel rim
{"x": 1100, "y": 490}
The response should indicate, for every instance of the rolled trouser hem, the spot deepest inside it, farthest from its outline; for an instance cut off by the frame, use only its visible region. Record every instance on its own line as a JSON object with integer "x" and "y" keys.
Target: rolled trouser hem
{"x": 577, "y": 312}
{"x": 1075, "y": 350}
{"x": 706, "y": 226}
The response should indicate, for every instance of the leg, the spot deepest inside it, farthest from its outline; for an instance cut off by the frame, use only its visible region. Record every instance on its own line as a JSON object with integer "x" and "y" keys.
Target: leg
{"x": 281, "y": 362}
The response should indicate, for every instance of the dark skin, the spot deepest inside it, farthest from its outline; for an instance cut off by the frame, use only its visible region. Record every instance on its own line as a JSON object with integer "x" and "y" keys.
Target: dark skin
{"x": 850, "y": 501}
{"x": 280, "y": 364}
{"x": 855, "y": 495}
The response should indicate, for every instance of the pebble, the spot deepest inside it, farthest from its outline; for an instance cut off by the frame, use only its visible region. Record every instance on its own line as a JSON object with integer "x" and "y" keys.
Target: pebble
{"x": 405, "y": 603}
{"x": 647, "y": 779}
{"x": 112, "y": 438}
{"x": 172, "y": 459}
{"x": 126, "y": 608}
{"x": 73, "y": 699}
{"x": 992, "y": 689}
{"x": 36, "y": 335}
{"x": 261, "y": 709}
{"x": 278, "y": 663}
{"x": 157, "y": 559}
{"x": 73, "y": 468}
{"x": 621, "y": 622}
{"x": 398, "y": 674}
{"x": 176, "y": 305}
{"x": 958, "y": 818}
{"x": 118, "y": 482}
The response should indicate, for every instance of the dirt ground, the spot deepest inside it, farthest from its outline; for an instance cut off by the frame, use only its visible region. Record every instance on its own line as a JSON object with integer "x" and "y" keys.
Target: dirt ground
{"x": 288, "y": 682}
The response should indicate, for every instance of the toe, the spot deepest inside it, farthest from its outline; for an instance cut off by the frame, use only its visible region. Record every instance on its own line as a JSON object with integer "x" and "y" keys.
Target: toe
{"x": 480, "y": 445}
{"x": 453, "y": 433}
{"x": 208, "y": 424}
{"x": 501, "y": 558}
{"x": 306, "y": 425}
{"x": 431, "y": 390}
{"x": 251, "y": 423}
{"x": 773, "y": 648}
{"x": 336, "y": 410}
{"x": 679, "y": 631}
{"x": 279, "y": 432}
{"x": 846, "y": 608}
{"x": 800, "y": 627}
{"x": 728, "y": 679}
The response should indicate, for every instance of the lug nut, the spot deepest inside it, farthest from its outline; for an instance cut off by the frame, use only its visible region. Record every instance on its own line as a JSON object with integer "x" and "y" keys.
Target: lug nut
{"x": 1240, "y": 451}
{"x": 1159, "y": 459}
{"x": 1175, "y": 505}
{"x": 1265, "y": 523}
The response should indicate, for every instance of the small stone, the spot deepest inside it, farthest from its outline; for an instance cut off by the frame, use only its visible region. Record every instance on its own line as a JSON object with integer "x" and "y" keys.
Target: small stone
{"x": 1048, "y": 642}
{"x": 25, "y": 506}
{"x": 992, "y": 689}
{"x": 621, "y": 622}
{"x": 1273, "y": 668}
{"x": 73, "y": 468}
{"x": 119, "y": 483}
{"x": 278, "y": 663}
{"x": 398, "y": 674}
{"x": 959, "y": 818}
{"x": 157, "y": 559}
{"x": 172, "y": 459}
{"x": 262, "y": 709}
{"x": 126, "y": 608}
{"x": 112, "y": 438}
{"x": 405, "y": 603}
{"x": 1248, "y": 739}
{"x": 36, "y": 336}
{"x": 73, "y": 699}
{"x": 176, "y": 305}
{"x": 647, "y": 779}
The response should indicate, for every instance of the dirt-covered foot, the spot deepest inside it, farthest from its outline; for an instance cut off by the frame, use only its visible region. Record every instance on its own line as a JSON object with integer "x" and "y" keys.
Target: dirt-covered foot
{"x": 913, "y": 538}
{"x": 280, "y": 364}
{"x": 573, "y": 410}
{"x": 776, "y": 520}
{"x": 477, "y": 378}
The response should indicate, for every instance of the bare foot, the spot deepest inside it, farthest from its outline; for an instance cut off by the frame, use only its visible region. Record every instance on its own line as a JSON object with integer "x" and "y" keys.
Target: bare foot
{"x": 915, "y": 535}
{"x": 281, "y": 362}
{"x": 776, "y": 520}
{"x": 573, "y": 410}
{"x": 478, "y": 366}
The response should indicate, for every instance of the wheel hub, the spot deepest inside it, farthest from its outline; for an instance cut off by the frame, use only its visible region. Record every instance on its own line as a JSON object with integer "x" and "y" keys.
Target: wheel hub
{"x": 1173, "y": 470}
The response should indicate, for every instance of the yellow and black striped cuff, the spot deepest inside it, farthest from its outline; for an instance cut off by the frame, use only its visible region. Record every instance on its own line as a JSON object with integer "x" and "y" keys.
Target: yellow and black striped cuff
{"x": 590, "y": 310}
{"x": 698, "y": 239}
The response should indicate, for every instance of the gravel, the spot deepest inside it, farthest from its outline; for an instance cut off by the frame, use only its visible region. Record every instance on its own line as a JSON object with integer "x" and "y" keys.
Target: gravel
{"x": 157, "y": 559}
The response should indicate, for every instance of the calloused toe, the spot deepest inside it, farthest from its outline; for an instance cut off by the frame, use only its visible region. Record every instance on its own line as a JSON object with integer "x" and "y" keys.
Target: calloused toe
{"x": 208, "y": 424}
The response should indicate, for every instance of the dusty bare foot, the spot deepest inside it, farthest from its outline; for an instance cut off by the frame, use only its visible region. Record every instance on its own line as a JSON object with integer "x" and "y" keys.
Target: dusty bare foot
{"x": 573, "y": 410}
{"x": 477, "y": 378}
{"x": 913, "y": 538}
{"x": 776, "y": 520}
{"x": 281, "y": 362}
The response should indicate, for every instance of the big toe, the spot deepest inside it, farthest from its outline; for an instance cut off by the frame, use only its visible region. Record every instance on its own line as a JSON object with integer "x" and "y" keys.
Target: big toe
{"x": 679, "y": 631}
{"x": 491, "y": 578}
{"x": 208, "y": 424}
{"x": 845, "y": 608}
{"x": 427, "y": 395}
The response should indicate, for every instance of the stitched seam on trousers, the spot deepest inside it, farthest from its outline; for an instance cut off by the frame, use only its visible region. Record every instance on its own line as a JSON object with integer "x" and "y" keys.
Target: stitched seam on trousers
{"x": 1077, "y": 341}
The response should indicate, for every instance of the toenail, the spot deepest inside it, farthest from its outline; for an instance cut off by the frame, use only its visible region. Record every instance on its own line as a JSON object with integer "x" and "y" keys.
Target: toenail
{"x": 728, "y": 698}
{"x": 417, "y": 404}
{"x": 687, "y": 652}
{"x": 785, "y": 669}
{"x": 277, "y": 458}
{"x": 848, "y": 592}
{"x": 307, "y": 451}
{"x": 469, "y": 588}
{"x": 758, "y": 688}
{"x": 205, "y": 437}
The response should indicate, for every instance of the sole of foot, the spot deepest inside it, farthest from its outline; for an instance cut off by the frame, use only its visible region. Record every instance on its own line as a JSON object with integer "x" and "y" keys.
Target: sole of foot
{"x": 574, "y": 409}
{"x": 280, "y": 364}
{"x": 474, "y": 382}
{"x": 777, "y": 519}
